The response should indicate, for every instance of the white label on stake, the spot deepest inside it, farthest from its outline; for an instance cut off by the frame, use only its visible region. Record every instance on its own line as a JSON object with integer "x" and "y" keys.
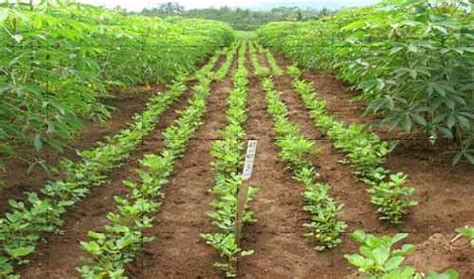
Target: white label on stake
{"x": 249, "y": 159}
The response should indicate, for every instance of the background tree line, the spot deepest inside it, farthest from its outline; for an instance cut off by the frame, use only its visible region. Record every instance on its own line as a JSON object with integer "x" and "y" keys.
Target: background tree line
{"x": 238, "y": 18}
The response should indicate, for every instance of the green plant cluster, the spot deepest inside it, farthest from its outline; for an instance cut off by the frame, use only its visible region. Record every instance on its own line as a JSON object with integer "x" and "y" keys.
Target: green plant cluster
{"x": 228, "y": 154}
{"x": 60, "y": 62}
{"x": 258, "y": 69}
{"x": 22, "y": 227}
{"x": 324, "y": 228}
{"x": 276, "y": 70}
{"x": 117, "y": 245}
{"x": 227, "y": 64}
{"x": 377, "y": 259}
{"x": 411, "y": 60}
{"x": 365, "y": 151}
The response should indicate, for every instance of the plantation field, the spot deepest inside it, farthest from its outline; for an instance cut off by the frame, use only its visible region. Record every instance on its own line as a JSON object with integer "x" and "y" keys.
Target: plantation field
{"x": 156, "y": 188}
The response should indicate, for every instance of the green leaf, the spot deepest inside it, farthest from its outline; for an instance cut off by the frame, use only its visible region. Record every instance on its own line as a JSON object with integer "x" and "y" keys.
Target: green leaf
{"x": 4, "y": 88}
{"x": 96, "y": 235}
{"x": 450, "y": 121}
{"x": 3, "y": 15}
{"x": 38, "y": 143}
{"x": 393, "y": 262}
{"x": 356, "y": 260}
{"x": 419, "y": 119}
{"x": 448, "y": 274}
{"x": 398, "y": 237}
{"x": 20, "y": 251}
{"x": 359, "y": 235}
{"x": 381, "y": 255}
{"x": 91, "y": 247}
{"x": 406, "y": 123}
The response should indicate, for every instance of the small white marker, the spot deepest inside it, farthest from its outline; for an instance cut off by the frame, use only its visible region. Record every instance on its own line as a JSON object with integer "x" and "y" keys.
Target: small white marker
{"x": 249, "y": 159}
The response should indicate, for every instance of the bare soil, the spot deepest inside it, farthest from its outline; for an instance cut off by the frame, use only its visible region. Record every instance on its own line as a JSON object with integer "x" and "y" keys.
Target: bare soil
{"x": 178, "y": 250}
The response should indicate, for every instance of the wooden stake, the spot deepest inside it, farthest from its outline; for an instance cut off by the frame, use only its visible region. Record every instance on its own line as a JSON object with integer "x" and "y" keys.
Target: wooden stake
{"x": 243, "y": 191}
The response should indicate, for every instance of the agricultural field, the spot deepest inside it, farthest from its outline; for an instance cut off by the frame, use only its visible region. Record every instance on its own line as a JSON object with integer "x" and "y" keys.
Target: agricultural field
{"x": 138, "y": 146}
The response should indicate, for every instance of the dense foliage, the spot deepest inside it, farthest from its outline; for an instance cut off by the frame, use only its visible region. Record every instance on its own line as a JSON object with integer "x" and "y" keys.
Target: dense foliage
{"x": 57, "y": 63}
{"x": 412, "y": 60}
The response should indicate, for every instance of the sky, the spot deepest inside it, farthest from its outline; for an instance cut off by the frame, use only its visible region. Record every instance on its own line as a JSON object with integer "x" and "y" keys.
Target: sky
{"x": 137, "y": 5}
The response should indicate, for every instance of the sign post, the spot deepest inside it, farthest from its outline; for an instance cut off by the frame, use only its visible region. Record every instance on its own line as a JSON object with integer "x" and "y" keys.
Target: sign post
{"x": 244, "y": 188}
{"x": 243, "y": 191}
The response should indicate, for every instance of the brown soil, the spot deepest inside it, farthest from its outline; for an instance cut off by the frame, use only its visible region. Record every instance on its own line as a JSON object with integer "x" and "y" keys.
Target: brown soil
{"x": 60, "y": 254}
{"x": 18, "y": 180}
{"x": 445, "y": 203}
{"x": 281, "y": 250}
{"x": 179, "y": 251}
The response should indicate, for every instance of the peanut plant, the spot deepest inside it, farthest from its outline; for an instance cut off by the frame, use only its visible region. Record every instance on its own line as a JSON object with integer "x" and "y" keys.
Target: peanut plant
{"x": 377, "y": 259}
{"x": 365, "y": 151}
{"x": 228, "y": 154}
{"x": 324, "y": 227}
{"x": 117, "y": 245}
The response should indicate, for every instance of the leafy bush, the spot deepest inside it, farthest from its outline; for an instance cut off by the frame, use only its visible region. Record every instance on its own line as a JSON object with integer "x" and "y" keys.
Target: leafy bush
{"x": 411, "y": 60}
{"x": 377, "y": 259}
{"x": 59, "y": 61}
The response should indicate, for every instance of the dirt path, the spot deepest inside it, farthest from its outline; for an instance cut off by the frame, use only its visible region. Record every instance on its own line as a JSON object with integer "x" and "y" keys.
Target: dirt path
{"x": 178, "y": 251}
{"x": 281, "y": 251}
{"x": 445, "y": 200}
{"x": 17, "y": 178}
{"x": 59, "y": 257}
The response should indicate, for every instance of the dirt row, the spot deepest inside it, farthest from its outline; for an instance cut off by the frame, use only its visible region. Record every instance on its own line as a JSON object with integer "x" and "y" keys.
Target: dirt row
{"x": 178, "y": 251}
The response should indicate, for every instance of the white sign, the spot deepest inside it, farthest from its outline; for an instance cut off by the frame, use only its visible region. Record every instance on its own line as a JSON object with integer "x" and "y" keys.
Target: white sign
{"x": 249, "y": 159}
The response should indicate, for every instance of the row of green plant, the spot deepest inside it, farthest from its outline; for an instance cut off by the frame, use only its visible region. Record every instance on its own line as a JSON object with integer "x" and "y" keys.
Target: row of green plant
{"x": 59, "y": 63}
{"x": 324, "y": 228}
{"x": 378, "y": 260}
{"x": 222, "y": 72}
{"x": 109, "y": 250}
{"x": 276, "y": 70}
{"x": 411, "y": 60}
{"x": 258, "y": 69}
{"x": 365, "y": 151}
{"x": 23, "y": 226}
{"x": 228, "y": 154}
